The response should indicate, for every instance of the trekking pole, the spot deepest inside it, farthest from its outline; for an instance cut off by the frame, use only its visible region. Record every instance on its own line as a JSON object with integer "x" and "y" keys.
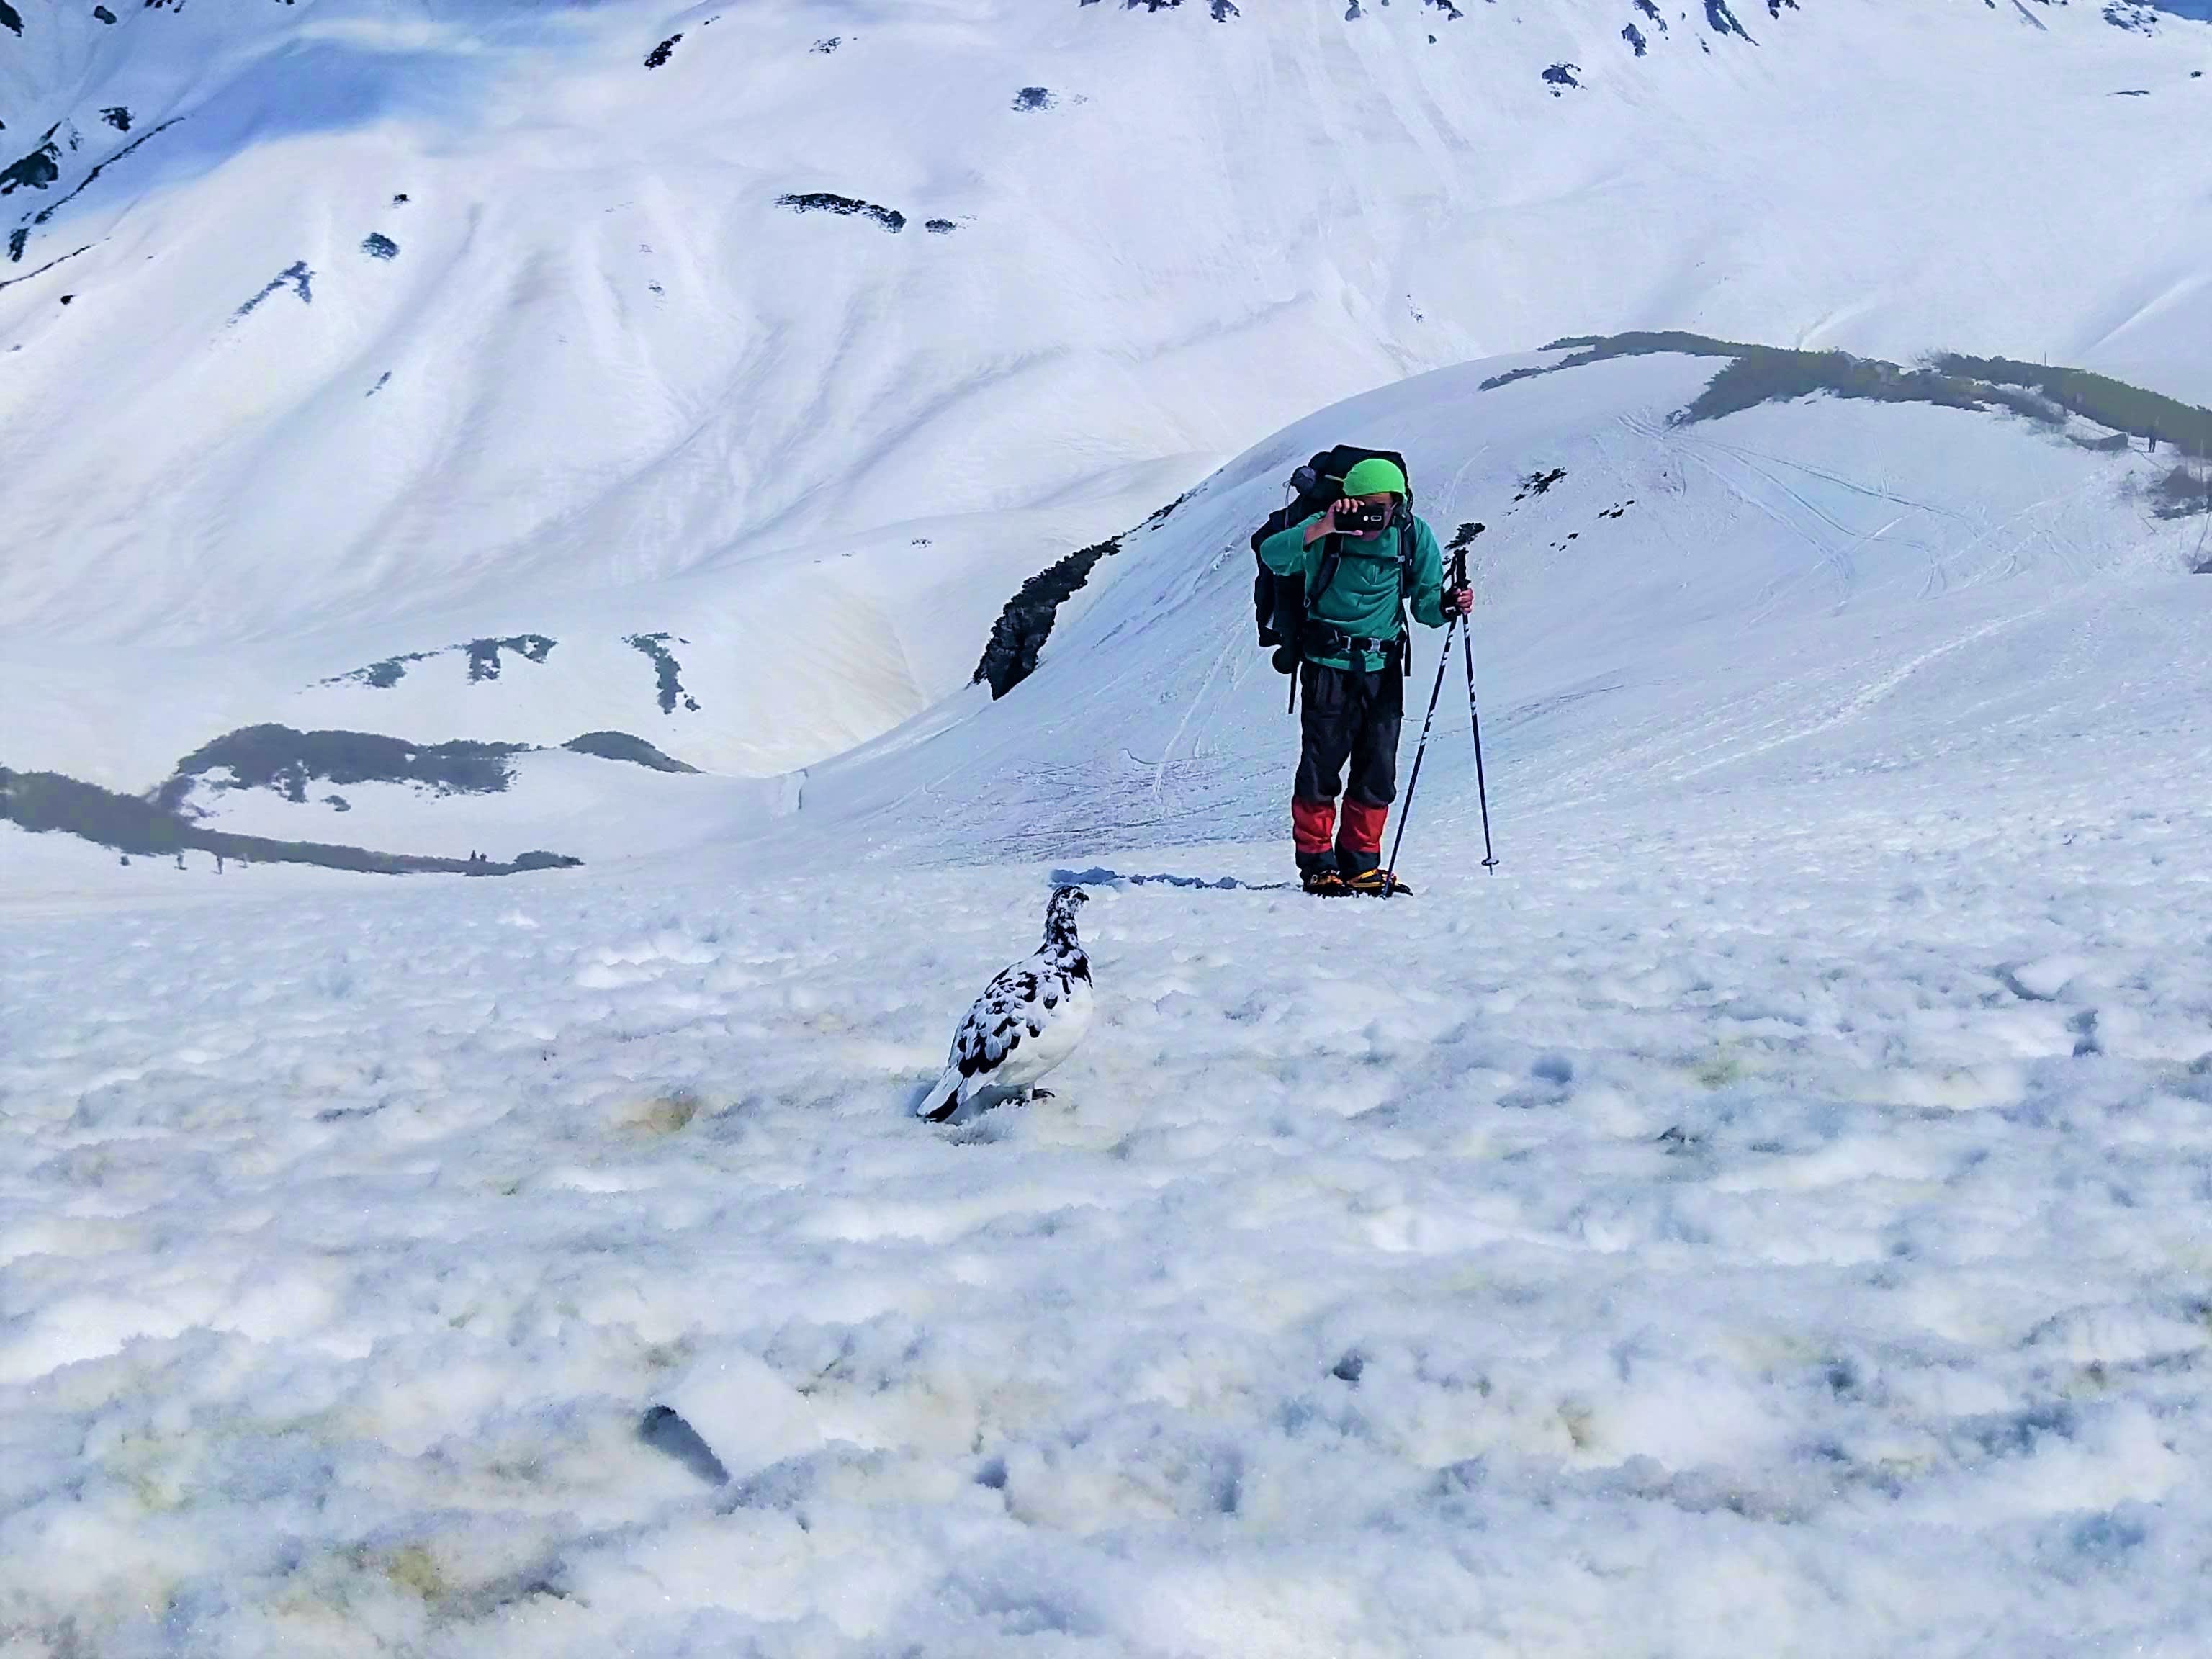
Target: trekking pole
{"x": 1475, "y": 720}
{"x": 1413, "y": 782}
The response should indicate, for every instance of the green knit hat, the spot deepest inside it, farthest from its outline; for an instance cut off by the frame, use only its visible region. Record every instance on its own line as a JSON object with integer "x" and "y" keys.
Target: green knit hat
{"x": 1373, "y": 476}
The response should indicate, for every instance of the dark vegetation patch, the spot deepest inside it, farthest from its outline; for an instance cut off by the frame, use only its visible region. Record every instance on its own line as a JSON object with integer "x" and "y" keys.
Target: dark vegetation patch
{"x": 2098, "y": 397}
{"x": 1018, "y": 635}
{"x": 823, "y": 201}
{"x": 666, "y": 669}
{"x": 296, "y": 275}
{"x": 483, "y": 655}
{"x": 377, "y": 246}
{"x": 622, "y": 746}
{"x": 1560, "y": 76}
{"x": 2182, "y": 494}
{"x": 661, "y": 53}
{"x": 44, "y": 801}
{"x": 2044, "y": 393}
{"x": 1031, "y": 98}
{"x": 278, "y": 757}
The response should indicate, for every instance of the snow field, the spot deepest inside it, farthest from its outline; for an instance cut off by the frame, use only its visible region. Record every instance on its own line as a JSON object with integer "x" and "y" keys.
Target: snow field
{"x": 1743, "y": 1230}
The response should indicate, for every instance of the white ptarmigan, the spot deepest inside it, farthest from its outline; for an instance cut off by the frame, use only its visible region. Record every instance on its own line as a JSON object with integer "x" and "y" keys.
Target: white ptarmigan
{"x": 1027, "y": 1021}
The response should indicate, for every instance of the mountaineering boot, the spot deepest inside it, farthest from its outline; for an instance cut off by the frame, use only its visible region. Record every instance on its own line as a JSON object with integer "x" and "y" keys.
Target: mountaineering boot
{"x": 1323, "y": 883}
{"x": 1376, "y": 883}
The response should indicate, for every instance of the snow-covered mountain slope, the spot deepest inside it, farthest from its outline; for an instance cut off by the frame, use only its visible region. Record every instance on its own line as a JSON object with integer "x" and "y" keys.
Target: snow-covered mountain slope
{"x": 1765, "y": 1216}
{"x": 1811, "y": 592}
{"x": 1691, "y": 569}
{"x": 267, "y": 422}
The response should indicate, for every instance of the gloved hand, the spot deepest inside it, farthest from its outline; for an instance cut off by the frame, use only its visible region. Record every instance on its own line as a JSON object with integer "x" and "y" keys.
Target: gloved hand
{"x": 1458, "y": 601}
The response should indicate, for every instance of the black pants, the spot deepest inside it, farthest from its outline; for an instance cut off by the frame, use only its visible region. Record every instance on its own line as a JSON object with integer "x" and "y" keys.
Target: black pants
{"x": 1348, "y": 715}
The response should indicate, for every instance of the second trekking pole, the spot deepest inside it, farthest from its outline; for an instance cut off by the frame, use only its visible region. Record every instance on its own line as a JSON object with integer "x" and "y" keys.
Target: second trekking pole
{"x": 1390, "y": 876}
{"x": 1475, "y": 720}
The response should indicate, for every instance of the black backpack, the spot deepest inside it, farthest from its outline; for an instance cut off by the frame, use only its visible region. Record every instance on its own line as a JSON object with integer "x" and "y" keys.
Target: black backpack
{"x": 1280, "y": 603}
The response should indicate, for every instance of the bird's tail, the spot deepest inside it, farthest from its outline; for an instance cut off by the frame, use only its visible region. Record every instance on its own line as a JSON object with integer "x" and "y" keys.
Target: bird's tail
{"x": 943, "y": 1098}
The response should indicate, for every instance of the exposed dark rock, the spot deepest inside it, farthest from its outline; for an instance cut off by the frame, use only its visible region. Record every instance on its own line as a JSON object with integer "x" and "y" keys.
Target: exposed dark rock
{"x": 822, "y": 200}
{"x": 17, "y": 241}
{"x": 103, "y": 13}
{"x": 666, "y": 1432}
{"x": 34, "y": 172}
{"x": 383, "y": 676}
{"x": 1222, "y": 11}
{"x": 666, "y": 669}
{"x": 296, "y": 274}
{"x": 1560, "y": 76}
{"x": 87, "y": 182}
{"x": 661, "y": 53}
{"x": 1634, "y": 36}
{"x": 1723, "y": 21}
{"x": 382, "y": 381}
{"x": 400, "y": 200}
{"x": 377, "y": 246}
{"x": 1030, "y": 98}
{"x": 622, "y": 746}
{"x": 12, "y": 20}
{"x": 1023, "y": 627}
{"x": 940, "y": 226}
{"x": 483, "y": 655}
{"x": 825, "y": 48}
{"x": 116, "y": 116}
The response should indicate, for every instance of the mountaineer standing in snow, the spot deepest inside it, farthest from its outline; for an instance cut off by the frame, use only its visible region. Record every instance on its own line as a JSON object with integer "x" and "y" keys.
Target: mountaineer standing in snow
{"x": 1362, "y": 562}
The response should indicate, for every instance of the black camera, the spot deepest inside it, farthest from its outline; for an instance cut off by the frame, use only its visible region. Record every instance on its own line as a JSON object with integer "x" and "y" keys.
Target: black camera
{"x": 1364, "y": 517}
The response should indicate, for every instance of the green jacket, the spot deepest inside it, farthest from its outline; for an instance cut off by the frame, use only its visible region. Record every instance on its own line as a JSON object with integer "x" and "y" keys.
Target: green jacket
{"x": 1363, "y": 600}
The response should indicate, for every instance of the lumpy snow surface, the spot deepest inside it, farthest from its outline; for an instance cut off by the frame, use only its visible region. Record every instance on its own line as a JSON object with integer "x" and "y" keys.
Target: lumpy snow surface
{"x": 1776, "y": 1227}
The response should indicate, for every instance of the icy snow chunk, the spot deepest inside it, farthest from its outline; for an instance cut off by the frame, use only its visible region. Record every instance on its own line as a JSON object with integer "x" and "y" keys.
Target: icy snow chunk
{"x": 2042, "y": 980}
{"x": 743, "y": 1413}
